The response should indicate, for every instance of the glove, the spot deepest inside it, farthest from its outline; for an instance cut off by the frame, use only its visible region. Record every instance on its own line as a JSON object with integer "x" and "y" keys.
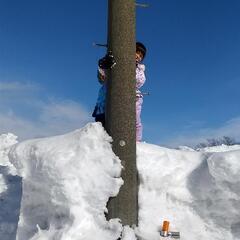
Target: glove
{"x": 107, "y": 62}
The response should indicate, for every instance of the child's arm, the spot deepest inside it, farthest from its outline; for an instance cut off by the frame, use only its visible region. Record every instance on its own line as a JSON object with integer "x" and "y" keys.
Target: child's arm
{"x": 101, "y": 75}
{"x": 140, "y": 76}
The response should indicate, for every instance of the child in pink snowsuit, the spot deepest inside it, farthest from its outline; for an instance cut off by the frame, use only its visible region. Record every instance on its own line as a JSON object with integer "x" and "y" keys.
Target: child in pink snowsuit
{"x": 140, "y": 80}
{"x": 99, "y": 111}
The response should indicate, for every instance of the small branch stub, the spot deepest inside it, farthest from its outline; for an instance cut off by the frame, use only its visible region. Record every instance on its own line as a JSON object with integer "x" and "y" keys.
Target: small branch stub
{"x": 99, "y": 45}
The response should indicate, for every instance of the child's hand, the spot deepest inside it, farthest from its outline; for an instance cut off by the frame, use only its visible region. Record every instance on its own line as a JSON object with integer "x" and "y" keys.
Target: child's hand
{"x": 107, "y": 62}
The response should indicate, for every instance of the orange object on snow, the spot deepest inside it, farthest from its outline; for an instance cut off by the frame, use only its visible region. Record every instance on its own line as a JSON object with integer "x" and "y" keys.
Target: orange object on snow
{"x": 166, "y": 233}
{"x": 165, "y": 226}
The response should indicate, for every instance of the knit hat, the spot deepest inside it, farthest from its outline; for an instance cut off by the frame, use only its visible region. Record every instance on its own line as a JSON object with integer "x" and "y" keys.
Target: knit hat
{"x": 140, "y": 47}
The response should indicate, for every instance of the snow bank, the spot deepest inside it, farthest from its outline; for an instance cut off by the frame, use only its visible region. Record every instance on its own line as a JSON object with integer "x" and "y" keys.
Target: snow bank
{"x": 198, "y": 192}
{"x": 128, "y": 233}
{"x": 221, "y": 148}
{"x": 6, "y": 141}
{"x": 10, "y": 190}
{"x": 67, "y": 181}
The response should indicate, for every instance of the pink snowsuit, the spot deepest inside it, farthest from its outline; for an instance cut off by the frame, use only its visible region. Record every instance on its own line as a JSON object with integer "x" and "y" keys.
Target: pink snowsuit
{"x": 140, "y": 80}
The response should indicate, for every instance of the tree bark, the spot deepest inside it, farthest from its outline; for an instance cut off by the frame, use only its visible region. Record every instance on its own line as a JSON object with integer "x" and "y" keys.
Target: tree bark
{"x": 121, "y": 106}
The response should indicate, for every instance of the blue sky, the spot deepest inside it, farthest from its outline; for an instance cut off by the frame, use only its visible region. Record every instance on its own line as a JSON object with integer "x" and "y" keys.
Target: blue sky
{"x": 48, "y": 79}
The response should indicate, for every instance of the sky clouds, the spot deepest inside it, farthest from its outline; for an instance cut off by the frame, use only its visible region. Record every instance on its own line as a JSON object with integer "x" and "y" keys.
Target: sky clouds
{"x": 39, "y": 116}
{"x": 192, "y": 67}
{"x": 50, "y": 120}
{"x": 27, "y": 111}
{"x": 18, "y": 86}
{"x": 192, "y": 137}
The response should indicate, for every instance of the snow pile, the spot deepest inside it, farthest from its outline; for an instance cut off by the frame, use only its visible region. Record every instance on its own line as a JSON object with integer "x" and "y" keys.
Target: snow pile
{"x": 221, "y": 148}
{"x": 128, "y": 233}
{"x": 10, "y": 190}
{"x": 68, "y": 179}
{"x": 6, "y": 141}
{"x": 198, "y": 192}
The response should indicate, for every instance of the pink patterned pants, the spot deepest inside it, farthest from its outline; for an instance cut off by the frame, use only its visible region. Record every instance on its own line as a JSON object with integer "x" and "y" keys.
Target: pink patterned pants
{"x": 139, "y": 102}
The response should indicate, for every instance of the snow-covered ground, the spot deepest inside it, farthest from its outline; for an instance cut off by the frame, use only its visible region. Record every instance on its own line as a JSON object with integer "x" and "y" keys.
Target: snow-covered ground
{"x": 57, "y": 188}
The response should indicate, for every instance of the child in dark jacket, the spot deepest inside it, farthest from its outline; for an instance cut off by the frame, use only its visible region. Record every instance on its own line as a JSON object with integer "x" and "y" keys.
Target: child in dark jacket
{"x": 99, "y": 111}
